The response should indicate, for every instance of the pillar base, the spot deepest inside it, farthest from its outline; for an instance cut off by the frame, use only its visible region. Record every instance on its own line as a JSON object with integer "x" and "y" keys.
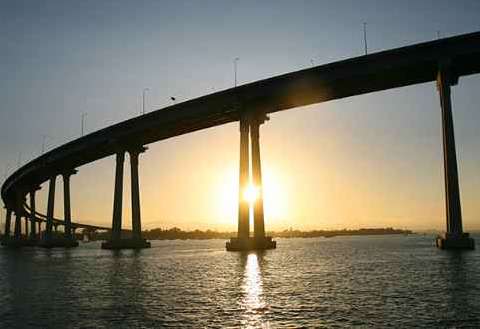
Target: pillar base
{"x": 455, "y": 241}
{"x": 126, "y": 244}
{"x": 246, "y": 244}
{"x": 58, "y": 243}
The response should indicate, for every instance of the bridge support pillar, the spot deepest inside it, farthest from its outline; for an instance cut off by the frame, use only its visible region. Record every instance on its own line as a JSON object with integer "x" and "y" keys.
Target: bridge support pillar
{"x": 454, "y": 238}
{"x": 33, "y": 226}
{"x": 27, "y": 222}
{"x": 17, "y": 235}
{"x": 244, "y": 177}
{"x": 67, "y": 208}
{"x": 49, "y": 241}
{"x": 250, "y": 125}
{"x": 259, "y": 220}
{"x": 118, "y": 197}
{"x": 8, "y": 223}
{"x": 19, "y": 212}
{"x": 50, "y": 209}
{"x": 6, "y": 239}
{"x": 136, "y": 219}
{"x": 136, "y": 241}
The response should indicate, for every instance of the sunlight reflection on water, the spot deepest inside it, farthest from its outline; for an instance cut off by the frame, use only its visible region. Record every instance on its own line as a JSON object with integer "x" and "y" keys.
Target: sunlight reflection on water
{"x": 253, "y": 302}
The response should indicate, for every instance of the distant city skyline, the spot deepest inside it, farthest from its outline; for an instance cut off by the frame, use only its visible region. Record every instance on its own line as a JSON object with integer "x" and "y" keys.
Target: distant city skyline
{"x": 367, "y": 161}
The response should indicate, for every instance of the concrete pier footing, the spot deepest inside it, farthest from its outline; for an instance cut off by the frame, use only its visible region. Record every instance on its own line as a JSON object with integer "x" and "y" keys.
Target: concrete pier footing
{"x": 455, "y": 241}
{"x": 126, "y": 244}
{"x": 247, "y": 244}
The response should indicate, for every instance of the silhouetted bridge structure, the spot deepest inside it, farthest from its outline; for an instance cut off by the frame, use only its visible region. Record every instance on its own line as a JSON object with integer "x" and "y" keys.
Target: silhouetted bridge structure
{"x": 443, "y": 61}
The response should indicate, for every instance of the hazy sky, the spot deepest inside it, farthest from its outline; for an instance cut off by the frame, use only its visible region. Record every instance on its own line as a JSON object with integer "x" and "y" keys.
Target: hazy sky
{"x": 372, "y": 160}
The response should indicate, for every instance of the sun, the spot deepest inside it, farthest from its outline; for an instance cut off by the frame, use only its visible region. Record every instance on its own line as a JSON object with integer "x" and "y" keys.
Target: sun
{"x": 251, "y": 193}
{"x": 274, "y": 193}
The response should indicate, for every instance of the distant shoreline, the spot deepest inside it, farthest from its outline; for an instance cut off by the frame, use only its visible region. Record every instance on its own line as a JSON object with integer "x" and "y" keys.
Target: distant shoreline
{"x": 178, "y": 234}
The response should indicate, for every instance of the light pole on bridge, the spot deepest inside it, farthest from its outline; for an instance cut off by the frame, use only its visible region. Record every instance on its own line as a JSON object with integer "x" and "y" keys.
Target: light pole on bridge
{"x": 143, "y": 99}
{"x": 83, "y": 121}
{"x": 365, "y": 37}
{"x": 44, "y": 138}
{"x": 235, "y": 61}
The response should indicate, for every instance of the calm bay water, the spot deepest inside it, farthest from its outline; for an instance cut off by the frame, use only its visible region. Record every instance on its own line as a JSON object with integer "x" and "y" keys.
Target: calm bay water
{"x": 395, "y": 281}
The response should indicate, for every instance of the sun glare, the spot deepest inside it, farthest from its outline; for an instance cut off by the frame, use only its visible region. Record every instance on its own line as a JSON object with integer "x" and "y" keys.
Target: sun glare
{"x": 251, "y": 193}
{"x": 275, "y": 194}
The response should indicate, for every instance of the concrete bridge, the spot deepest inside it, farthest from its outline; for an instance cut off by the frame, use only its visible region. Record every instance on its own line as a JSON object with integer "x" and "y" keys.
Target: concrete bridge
{"x": 443, "y": 61}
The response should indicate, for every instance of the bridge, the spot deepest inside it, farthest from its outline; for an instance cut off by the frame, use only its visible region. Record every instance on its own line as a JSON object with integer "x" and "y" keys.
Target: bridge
{"x": 443, "y": 61}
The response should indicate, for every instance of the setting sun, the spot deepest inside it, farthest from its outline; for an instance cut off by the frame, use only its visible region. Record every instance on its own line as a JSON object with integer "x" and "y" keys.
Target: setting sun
{"x": 251, "y": 193}
{"x": 274, "y": 192}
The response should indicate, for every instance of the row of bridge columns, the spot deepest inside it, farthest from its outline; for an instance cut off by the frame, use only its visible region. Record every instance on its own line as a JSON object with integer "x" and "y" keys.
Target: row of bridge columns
{"x": 68, "y": 234}
{"x": 33, "y": 225}
{"x": 48, "y": 239}
{"x": 454, "y": 237}
{"x": 249, "y": 171}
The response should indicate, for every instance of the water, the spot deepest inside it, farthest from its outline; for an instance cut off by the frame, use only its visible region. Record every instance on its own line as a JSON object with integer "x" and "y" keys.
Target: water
{"x": 395, "y": 281}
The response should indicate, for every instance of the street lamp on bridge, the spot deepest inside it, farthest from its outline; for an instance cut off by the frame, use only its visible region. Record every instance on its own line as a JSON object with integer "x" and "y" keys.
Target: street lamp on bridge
{"x": 235, "y": 61}
{"x": 143, "y": 99}
{"x": 83, "y": 121}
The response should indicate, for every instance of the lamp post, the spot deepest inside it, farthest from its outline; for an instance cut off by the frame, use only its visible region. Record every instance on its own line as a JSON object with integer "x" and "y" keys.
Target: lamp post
{"x": 44, "y": 137}
{"x": 235, "y": 68}
{"x": 83, "y": 120}
{"x": 365, "y": 37}
{"x": 143, "y": 99}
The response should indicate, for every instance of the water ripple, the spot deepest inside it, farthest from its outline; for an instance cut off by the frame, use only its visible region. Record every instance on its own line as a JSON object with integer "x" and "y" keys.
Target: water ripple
{"x": 333, "y": 283}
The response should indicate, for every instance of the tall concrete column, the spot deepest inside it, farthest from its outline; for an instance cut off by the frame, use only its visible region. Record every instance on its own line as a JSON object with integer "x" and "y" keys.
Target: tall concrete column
{"x": 50, "y": 208}
{"x": 18, "y": 215}
{"x": 66, "y": 204}
{"x": 8, "y": 223}
{"x": 135, "y": 189}
{"x": 118, "y": 197}
{"x": 243, "y": 206}
{"x": 18, "y": 226}
{"x": 452, "y": 191}
{"x": 26, "y": 226}
{"x": 258, "y": 216}
{"x": 33, "y": 226}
